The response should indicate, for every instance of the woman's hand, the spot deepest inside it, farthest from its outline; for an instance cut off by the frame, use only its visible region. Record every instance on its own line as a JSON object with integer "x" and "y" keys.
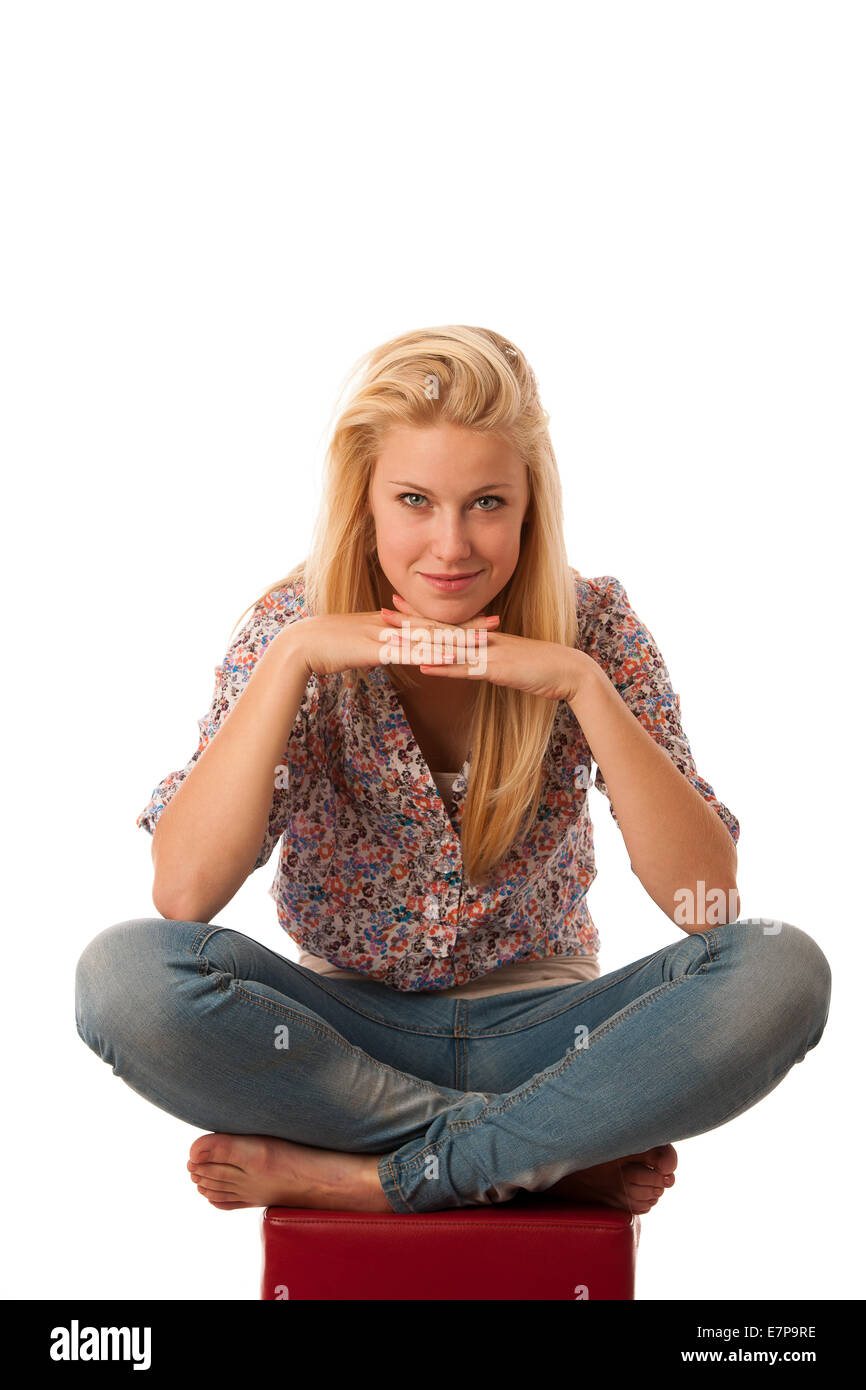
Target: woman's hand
{"x": 333, "y": 642}
{"x": 547, "y": 669}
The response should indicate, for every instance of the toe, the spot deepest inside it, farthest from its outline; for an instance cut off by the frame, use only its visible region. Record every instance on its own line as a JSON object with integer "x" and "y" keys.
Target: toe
{"x": 665, "y": 1158}
{"x": 224, "y": 1172}
{"x": 200, "y": 1149}
{"x": 639, "y": 1177}
{"x": 640, "y": 1208}
{"x": 236, "y": 1150}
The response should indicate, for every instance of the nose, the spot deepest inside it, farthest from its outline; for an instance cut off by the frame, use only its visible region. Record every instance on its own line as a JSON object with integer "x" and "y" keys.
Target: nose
{"x": 451, "y": 545}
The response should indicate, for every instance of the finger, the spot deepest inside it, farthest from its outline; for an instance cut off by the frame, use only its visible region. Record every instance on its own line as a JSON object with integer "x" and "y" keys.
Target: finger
{"x": 479, "y": 625}
{"x": 481, "y": 622}
{"x": 405, "y": 609}
{"x": 452, "y": 668}
{"x": 415, "y": 620}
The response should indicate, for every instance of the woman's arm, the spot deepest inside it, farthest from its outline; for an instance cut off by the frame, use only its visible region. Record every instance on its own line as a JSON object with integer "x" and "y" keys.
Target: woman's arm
{"x": 673, "y": 837}
{"x": 207, "y": 840}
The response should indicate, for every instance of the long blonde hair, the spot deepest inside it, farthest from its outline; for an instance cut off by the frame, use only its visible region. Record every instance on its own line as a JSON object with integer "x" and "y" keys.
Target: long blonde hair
{"x": 483, "y": 382}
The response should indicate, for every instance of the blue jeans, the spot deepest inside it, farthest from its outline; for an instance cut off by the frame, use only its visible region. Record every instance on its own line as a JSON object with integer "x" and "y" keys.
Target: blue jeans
{"x": 468, "y": 1101}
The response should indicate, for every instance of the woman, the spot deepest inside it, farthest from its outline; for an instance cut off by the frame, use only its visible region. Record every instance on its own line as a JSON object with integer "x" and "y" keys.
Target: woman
{"x": 447, "y": 1038}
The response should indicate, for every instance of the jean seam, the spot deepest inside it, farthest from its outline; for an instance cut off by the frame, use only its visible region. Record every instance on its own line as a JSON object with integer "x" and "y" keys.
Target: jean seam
{"x": 328, "y": 1034}
{"x": 527, "y": 1090}
{"x": 710, "y": 942}
{"x": 201, "y": 937}
{"x": 380, "y": 1018}
{"x": 396, "y": 1188}
{"x": 616, "y": 979}
{"x": 348, "y": 1004}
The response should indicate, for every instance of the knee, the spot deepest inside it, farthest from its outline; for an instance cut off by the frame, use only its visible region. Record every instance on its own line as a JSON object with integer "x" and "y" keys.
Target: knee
{"x": 813, "y": 980}
{"x": 792, "y": 974}
{"x": 118, "y": 979}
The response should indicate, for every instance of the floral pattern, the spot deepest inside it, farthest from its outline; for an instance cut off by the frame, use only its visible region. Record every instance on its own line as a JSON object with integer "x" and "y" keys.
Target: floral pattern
{"x": 370, "y": 872}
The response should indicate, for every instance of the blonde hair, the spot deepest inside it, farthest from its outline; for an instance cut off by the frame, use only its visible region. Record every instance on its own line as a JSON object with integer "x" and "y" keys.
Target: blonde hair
{"x": 483, "y": 382}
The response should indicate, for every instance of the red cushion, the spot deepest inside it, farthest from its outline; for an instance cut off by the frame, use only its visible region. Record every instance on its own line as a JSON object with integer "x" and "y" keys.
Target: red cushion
{"x": 532, "y": 1247}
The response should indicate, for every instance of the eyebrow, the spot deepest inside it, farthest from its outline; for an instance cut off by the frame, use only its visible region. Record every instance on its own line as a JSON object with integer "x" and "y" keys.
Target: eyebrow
{"x": 416, "y": 487}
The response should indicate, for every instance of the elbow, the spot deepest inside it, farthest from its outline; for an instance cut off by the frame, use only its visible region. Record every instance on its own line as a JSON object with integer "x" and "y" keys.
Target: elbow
{"x": 708, "y": 907}
{"x": 176, "y": 906}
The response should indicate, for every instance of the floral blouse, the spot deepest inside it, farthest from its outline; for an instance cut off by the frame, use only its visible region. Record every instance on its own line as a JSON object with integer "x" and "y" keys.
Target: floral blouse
{"x": 370, "y": 872}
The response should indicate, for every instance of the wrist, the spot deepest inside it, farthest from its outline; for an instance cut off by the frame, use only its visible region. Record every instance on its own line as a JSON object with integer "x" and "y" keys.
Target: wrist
{"x": 289, "y": 647}
{"x": 583, "y": 673}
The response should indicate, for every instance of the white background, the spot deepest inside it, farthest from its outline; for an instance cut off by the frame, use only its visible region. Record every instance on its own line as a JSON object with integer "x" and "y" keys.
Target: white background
{"x": 210, "y": 211}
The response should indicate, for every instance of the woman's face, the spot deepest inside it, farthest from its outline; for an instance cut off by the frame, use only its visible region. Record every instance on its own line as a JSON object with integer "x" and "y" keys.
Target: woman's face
{"x": 447, "y": 501}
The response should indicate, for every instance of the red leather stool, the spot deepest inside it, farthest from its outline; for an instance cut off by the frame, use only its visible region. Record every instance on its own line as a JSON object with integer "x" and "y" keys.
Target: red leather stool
{"x": 531, "y": 1247}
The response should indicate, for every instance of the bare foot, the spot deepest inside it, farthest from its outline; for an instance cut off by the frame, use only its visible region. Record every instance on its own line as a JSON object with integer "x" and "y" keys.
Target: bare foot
{"x": 633, "y": 1183}
{"x": 257, "y": 1170}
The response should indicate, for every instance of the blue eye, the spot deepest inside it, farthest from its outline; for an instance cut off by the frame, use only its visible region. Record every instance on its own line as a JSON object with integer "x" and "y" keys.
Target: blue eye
{"x": 488, "y": 497}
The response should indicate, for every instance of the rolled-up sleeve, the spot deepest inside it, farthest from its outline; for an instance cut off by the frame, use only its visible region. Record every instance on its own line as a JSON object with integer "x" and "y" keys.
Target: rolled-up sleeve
{"x": 624, "y": 647}
{"x": 268, "y": 618}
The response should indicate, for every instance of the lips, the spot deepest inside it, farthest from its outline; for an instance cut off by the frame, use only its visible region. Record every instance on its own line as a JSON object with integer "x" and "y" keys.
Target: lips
{"x": 452, "y": 583}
